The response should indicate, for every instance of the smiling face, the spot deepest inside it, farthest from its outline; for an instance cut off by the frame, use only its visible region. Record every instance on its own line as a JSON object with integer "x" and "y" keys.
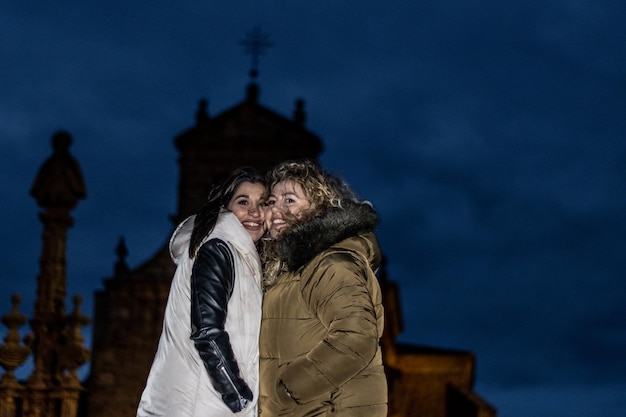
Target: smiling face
{"x": 247, "y": 205}
{"x": 287, "y": 202}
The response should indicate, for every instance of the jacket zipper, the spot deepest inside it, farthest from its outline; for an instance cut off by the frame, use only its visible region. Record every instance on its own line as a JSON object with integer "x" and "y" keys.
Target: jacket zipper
{"x": 223, "y": 370}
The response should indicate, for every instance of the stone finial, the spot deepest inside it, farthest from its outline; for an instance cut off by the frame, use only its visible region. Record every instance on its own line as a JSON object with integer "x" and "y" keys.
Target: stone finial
{"x": 73, "y": 354}
{"x": 299, "y": 116}
{"x": 121, "y": 267}
{"x": 252, "y": 93}
{"x": 12, "y": 352}
{"x": 59, "y": 183}
{"x": 202, "y": 114}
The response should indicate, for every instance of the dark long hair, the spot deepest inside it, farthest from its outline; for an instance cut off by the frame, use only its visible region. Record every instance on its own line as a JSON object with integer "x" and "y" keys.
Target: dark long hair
{"x": 219, "y": 196}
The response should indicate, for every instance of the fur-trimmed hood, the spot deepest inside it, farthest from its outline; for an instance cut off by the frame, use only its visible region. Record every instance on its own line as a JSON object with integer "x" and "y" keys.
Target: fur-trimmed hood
{"x": 303, "y": 241}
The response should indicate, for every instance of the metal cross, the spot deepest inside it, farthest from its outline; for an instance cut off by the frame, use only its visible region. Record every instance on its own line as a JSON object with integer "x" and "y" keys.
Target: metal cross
{"x": 256, "y": 42}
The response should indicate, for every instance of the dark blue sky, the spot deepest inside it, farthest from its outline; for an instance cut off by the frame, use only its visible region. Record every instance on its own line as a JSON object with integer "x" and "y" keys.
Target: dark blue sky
{"x": 489, "y": 135}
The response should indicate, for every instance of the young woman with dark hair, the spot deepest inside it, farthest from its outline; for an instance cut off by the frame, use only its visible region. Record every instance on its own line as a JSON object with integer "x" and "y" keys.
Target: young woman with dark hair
{"x": 207, "y": 359}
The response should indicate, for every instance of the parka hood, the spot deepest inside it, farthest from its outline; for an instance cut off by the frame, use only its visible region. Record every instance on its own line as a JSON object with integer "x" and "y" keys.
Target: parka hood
{"x": 227, "y": 228}
{"x": 179, "y": 242}
{"x": 303, "y": 241}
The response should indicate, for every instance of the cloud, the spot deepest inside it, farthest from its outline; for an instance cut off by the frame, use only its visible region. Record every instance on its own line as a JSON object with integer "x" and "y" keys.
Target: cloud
{"x": 489, "y": 137}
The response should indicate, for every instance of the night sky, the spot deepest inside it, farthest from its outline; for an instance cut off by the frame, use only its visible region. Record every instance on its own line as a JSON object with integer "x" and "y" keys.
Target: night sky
{"x": 490, "y": 136}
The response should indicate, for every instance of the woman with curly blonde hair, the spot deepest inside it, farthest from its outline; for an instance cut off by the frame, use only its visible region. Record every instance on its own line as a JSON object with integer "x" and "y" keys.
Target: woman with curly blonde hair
{"x": 322, "y": 309}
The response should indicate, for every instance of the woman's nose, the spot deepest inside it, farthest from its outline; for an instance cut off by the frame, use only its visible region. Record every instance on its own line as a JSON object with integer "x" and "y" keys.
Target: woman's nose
{"x": 254, "y": 210}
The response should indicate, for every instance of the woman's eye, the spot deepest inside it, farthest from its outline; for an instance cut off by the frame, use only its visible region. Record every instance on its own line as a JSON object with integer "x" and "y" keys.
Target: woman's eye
{"x": 290, "y": 200}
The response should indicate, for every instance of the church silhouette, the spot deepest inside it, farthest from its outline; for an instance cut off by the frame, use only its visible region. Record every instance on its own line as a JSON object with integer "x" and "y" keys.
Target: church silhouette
{"x": 128, "y": 311}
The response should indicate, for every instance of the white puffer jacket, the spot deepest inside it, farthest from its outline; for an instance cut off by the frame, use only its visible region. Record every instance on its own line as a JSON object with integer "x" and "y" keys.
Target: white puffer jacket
{"x": 178, "y": 384}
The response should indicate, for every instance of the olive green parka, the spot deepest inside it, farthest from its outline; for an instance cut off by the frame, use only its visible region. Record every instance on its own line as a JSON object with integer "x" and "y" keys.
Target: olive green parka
{"x": 322, "y": 320}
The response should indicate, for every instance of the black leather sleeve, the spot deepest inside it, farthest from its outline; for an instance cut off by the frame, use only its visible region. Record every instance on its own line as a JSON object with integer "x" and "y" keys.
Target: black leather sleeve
{"x": 212, "y": 281}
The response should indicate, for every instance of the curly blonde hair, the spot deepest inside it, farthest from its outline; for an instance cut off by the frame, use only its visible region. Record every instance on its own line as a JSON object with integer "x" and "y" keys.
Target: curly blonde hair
{"x": 323, "y": 190}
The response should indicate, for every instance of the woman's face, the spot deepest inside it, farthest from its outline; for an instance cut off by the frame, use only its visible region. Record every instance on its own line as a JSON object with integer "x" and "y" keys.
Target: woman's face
{"x": 246, "y": 204}
{"x": 286, "y": 197}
